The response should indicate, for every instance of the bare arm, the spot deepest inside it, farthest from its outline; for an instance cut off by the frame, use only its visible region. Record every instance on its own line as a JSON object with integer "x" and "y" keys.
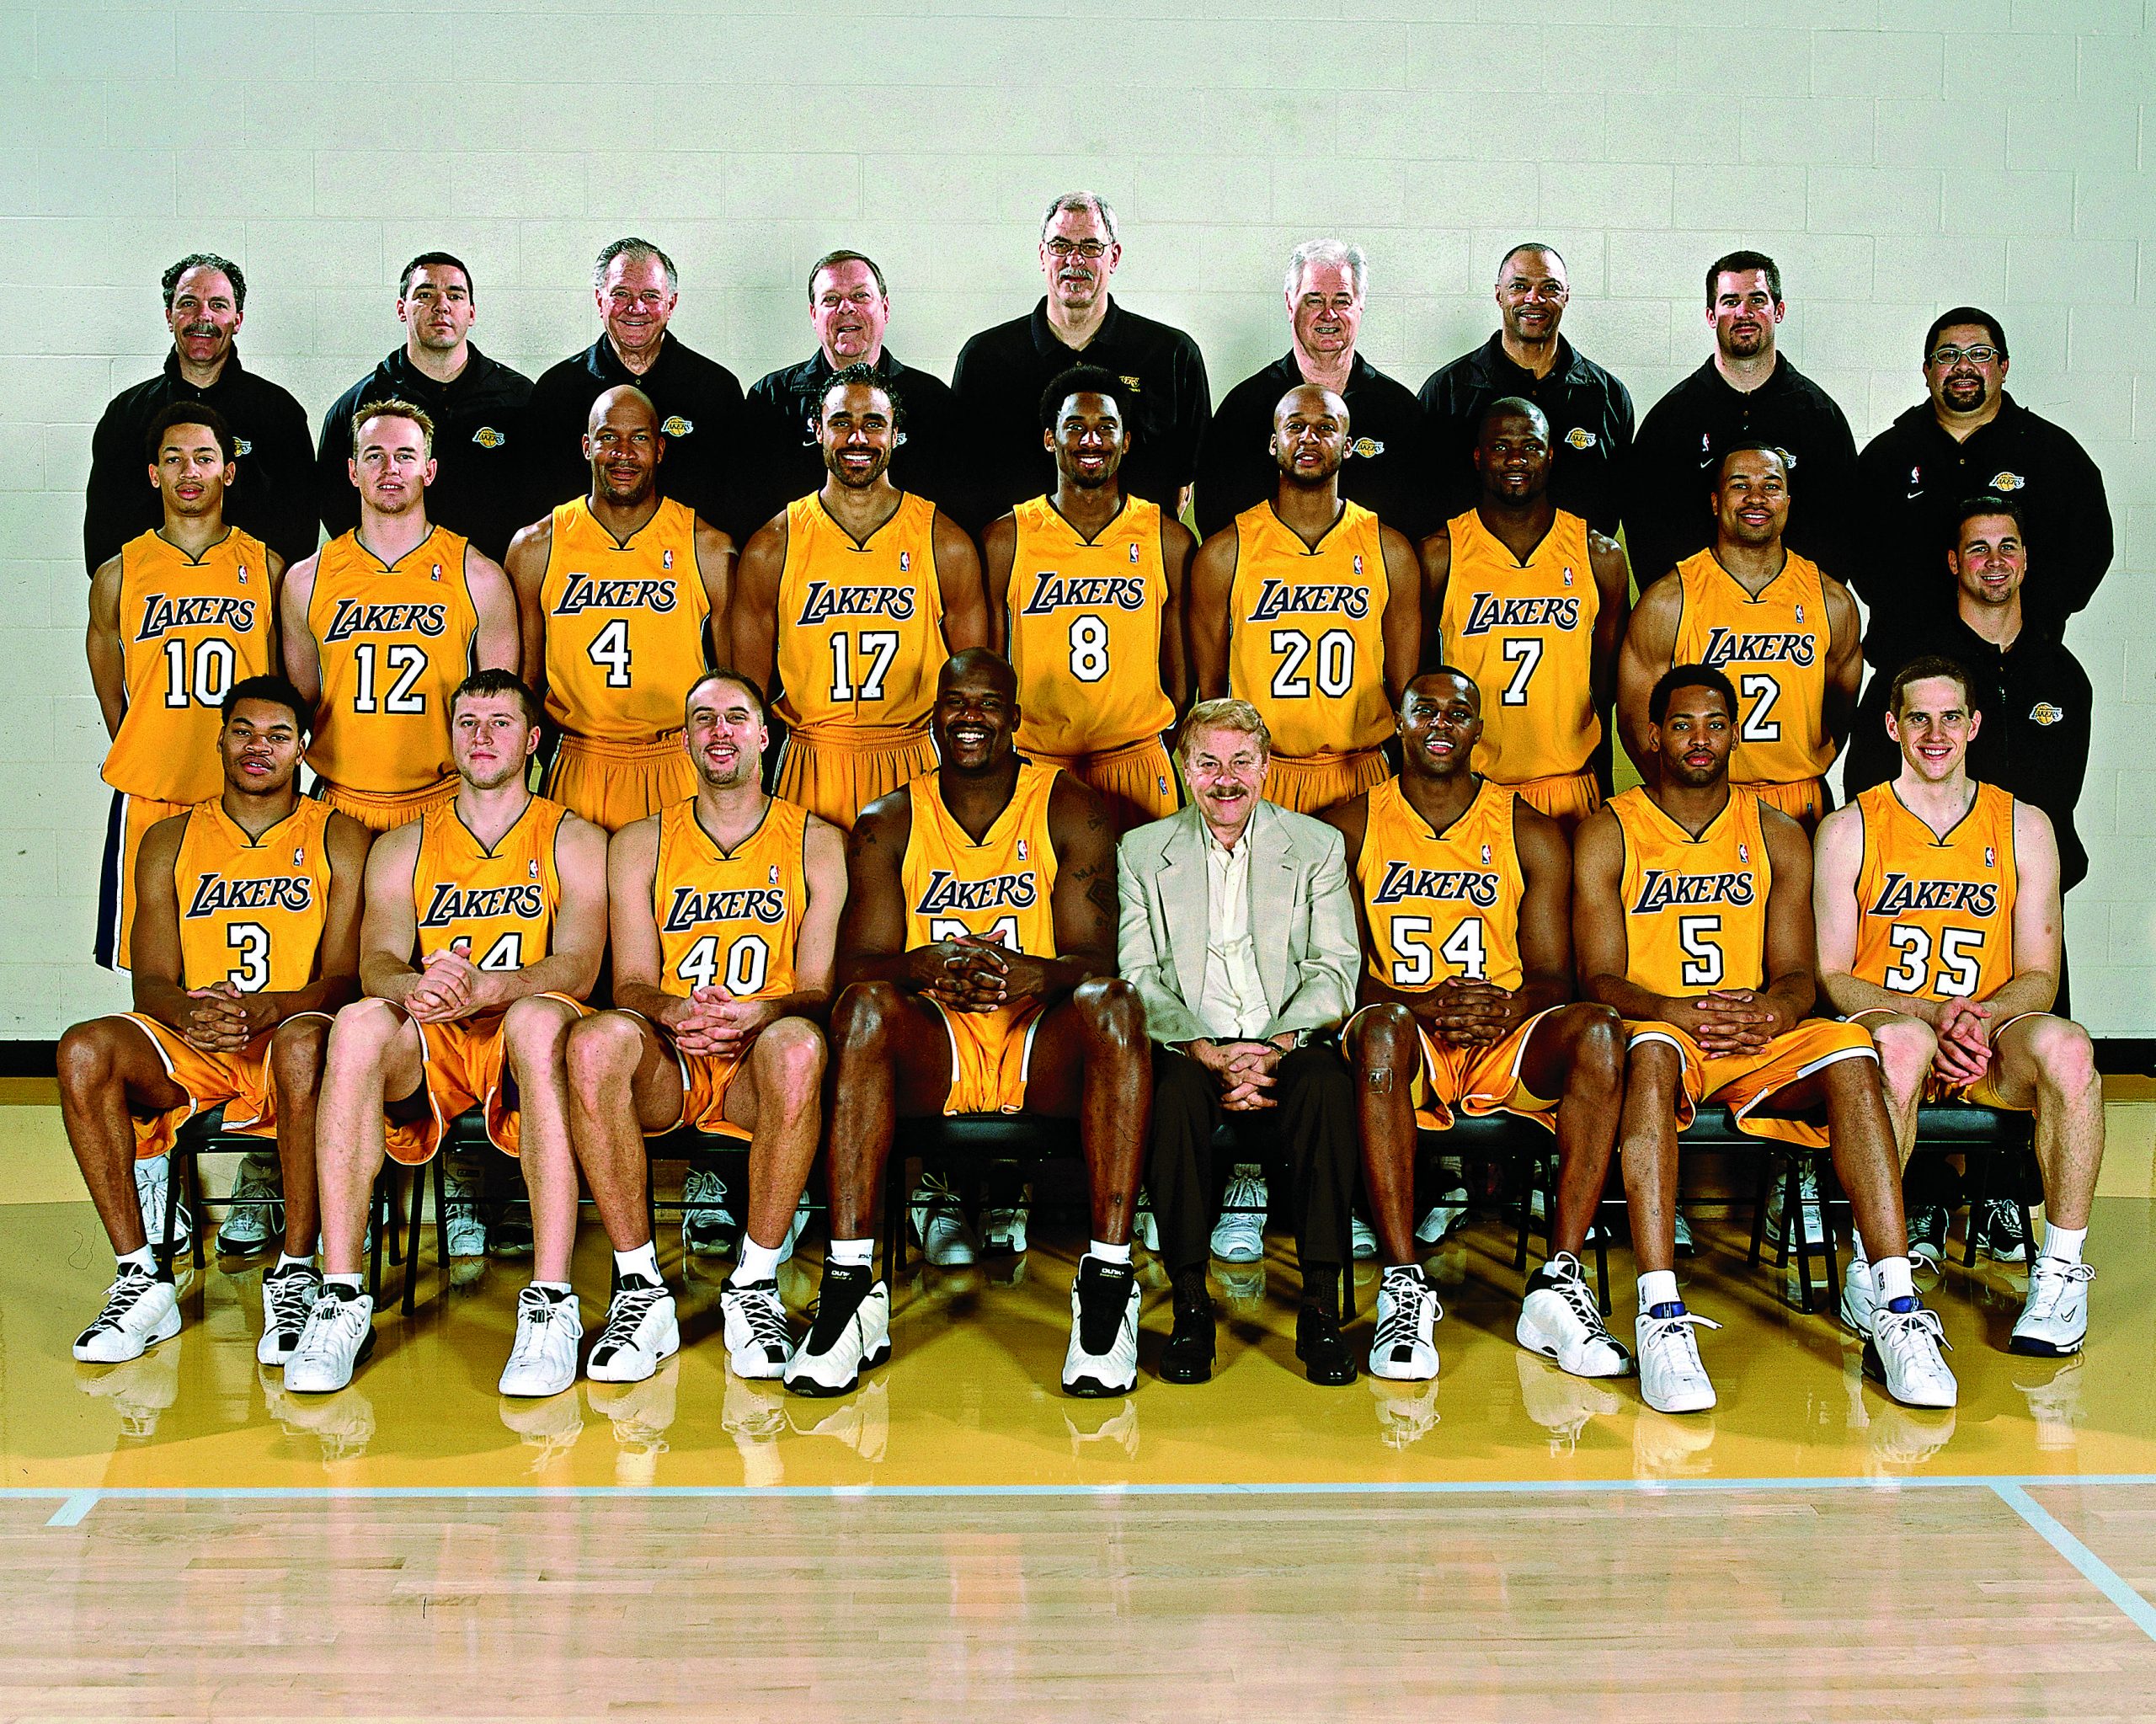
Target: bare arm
{"x": 153, "y": 951}
{"x": 2039, "y": 924}
{"x": 715, "y": 569}
{"x": 753, "y": 621}
{"x": 1212, "y": 579}
{"x": 527, "y": 568}
{"x": 1176, "y": 547}
{"x": 1403, "y": 614}
{"x": 1844, "y": 660}
{"x": 999, "y": 548}
{"x": 497, "y": 642}
{"x": 871, "y": 945}
{"x": 957, "y": 577}
{"x": 1612, "y": 580}
{"x": 1436, "y": 556}
{"x": 389, "y": 923}
{"x": 631, "y": 864}
{"x": 1600, "y": 937}
{"x": 1838, "y": 915}
{"x": 107, "y": 656}
{"x": 302, "y": 662}
{"x": 1792, "y": 952}
{"x": 1650, "y": 648}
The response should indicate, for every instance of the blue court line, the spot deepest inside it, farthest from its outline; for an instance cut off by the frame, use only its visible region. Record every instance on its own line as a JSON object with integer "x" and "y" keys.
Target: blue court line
{"x": 2092, "y": 1568}
{"x": 70, "y": 1512}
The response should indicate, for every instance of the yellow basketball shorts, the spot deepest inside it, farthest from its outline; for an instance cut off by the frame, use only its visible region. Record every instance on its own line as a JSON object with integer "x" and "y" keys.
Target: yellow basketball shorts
{"x": 991, "y": 1055}
{"x": 132, "y": 816}
{"x": 612, "y": 783}
{"x": 1478, "y": 1081}
{"x": 1567, "y": 797}
{"x": 1806, "y": 800}
{"x": 1137, "y": 780}
{"x": 1984, "y": 1091}
{"x": 239, "y": 1079}
{"x": 1305, "y": 786}
{"x": 835, "y": 773}
{"x": 385, "y": 811}
{"x": 465, "y": 1068}
{"x": 1742, "y": 1082}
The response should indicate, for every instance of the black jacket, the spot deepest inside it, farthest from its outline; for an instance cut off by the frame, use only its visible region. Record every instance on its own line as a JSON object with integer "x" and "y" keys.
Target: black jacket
{"x": 782, "y": 432}
{"x": 1387, "y": 469}
{"x": 1912, "y": 478}
{"x": 1590, "y": 414}
{"x": 272, "y": 496}
{"x": 479, "y": 488}
{"x": 1669, "y": 512}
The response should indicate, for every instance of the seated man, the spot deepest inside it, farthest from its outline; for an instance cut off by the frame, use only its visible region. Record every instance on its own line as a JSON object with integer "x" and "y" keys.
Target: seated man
{"x": 975, "y": 960}
{"x": 232, "y": 999}
{"x": 1692, "y": 915}
{"x": 1940, "y": 931}
{"x": 725, "y": 912}
{"x": 1238, "y": 933}
{"x": 484, "y": 922}
{"x": 1463, "y": 894}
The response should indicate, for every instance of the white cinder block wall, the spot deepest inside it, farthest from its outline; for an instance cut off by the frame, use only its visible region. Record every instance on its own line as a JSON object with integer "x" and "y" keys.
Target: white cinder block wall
{"x": 1897, "y": 159}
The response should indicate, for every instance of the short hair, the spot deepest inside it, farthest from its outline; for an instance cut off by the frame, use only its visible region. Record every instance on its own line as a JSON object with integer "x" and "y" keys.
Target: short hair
{"x": 1339, "y": 252}
{"x": 755, "y": 695}
{"x": 1922, "y": 669}
{"x": 275, "y": 690}
{"x": 1078, "y": 200}
{"x": 1966, "y": 314}
{"x": 1511, "y": 407}
{"x": 831, "y": 260}
{"x": 1679, "y": 676}
{"x": 860, "y": 371}
{"x": 636, "y": 251}
{"x": 207, "y": 260}
{"x": 1987, "y": 503}
{"x": 1226, "y": 713}
{"x": 1750, "y": 445}
{"x": 1532, "y": 245}
{"x": 390, "y": 408}
{"x": 492, "y": 681}
{"x": 1080, "y": 380}
{"x": 1739, "y": 263}
{"x": 187, "y": 413}
{"x": 437, "y": 259}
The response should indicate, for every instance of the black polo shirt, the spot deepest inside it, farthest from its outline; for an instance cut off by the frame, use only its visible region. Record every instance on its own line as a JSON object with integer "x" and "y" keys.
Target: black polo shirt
{"x": 1387, "y": 469}
{"x": 479, "y": 488}
{"x": 272, "y": 495}
{"x": 788, "y": 461}
{"x": 998, "y": 382}
{"x": 701, "y": 413}
{"x": 1911, "y": 480}
{"x": 1668, "y": 512}
{"x": 1590, "y": 414}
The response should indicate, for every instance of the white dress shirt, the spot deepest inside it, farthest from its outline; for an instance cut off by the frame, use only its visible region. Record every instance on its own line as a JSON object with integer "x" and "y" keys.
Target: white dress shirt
{"x": 1232, "y": 1002}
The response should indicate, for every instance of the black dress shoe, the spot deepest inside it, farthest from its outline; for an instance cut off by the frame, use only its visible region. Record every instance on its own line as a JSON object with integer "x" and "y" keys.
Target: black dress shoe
{"x": 1188, "y": 1356}
{"x": 1326, "y": 1357}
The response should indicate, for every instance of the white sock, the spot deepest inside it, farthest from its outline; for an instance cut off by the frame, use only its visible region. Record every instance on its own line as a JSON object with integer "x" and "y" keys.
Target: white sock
{"x": 286, "y": 1261}
{"x": 643, "y": 1261}
{"x": 1659, "y": 1287}
{"x": 852, "y": 1253}
{"x": 1891, "y": 1280}
{"x": 145, "y": 1259}
{"x": 759, "y": 1262}
{"x": 2064, "y": 1243}
{"x": 1109, "y": 1253}
{"x": 349, "y": 1283}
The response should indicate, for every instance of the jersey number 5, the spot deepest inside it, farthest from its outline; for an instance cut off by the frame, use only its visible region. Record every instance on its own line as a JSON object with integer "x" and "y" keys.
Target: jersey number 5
{"x": 1700, "y": 938}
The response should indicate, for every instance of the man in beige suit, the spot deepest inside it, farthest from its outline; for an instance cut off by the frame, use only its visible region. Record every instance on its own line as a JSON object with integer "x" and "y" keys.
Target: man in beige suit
{"x": 1239, "y": 934}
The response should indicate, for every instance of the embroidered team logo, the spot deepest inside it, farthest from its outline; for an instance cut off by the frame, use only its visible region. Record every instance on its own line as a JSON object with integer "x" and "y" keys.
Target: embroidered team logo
{"x": 2005, "y": 481}
{"x": 241, "y": 446}
{"x": 1366, "y": 447}
{"x": 676, "y": 426}
{"x": 486, "y": 437}
{"x": 2045, "y": 714}
{"x": 1991, "y": 858}
{"x": 1132, "y": 384}
{"x": 1580, "y": 437}
{"x": 1022, "y": 850}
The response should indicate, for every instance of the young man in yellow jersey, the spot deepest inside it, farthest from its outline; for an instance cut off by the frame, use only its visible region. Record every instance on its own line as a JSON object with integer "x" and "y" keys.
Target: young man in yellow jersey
{"x": 1692, "y": 915}
{"x": 725, "y": 913}
{"x": 1784, "y": 633}
{"x": 247, "y": 939}
{"x": 846, "y": 606}
{"x": 1940, "y": 931}
{"x": 622, "y": 593}
{"x": 1309, "y": 608}
{"x": 484, "y": 924}
{"x": 382, "y": 624}
{"x": 976, "y": 963}
{"x": 1529, "y": 602}
{"x": 1464, "y": 897}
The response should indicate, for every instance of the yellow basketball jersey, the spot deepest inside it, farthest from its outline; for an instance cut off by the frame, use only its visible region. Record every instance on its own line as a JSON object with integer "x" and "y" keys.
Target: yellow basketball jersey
{"x": 1442, "y": 904}
{"x": 1306, "y": 645}
{"x": 860, "y": 627}
{"x": 1001, "y": 888}
{"x": 1086, "y": 630}
{"x": 1695, "y": 908}
{"x": 498, "y": 906}
{"x": 1936, "y": 914}
{"x": 394, "y": 642}
{"x": 1525, "y": 632}
{"x": 625, "y": 622}
{"x": 189, "y": 630}
{"x": 252, "y": 910}
{"x": 1774, "y": 647}
{"x": 730, "y": 920}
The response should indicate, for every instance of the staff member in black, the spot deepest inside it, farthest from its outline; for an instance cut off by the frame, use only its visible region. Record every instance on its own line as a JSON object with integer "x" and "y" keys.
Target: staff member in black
{"x": 1590, "y": 412}
{"x": 476, "y": 404}
{"x": 1002, "y": 370}
{"x": 272, "y": 493}
{"x": 1746, "y": 393}
{"x": 1384, "y": 470}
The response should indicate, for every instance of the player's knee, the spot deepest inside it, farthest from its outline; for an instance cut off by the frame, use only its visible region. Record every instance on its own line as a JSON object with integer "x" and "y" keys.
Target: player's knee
{"x": 1598, "y": 1046}
{"x": 602, "y": 1051}
{"x": 534, "y": 1030}
{"x": 364, "y": 1031}
{"x": 790, "y": 1054}
{"x": 1653, "y": 1065}
{"x": 1907, "y": 1047}
{"x": 1113, "y": 1012}
{"x": 85, "y": 1059}
{"x": 297, "y": 1053}
{"x": 1385, "y": 1040}
{"x": 861, "y": 1020}
{"x": 2065, "y": 1057}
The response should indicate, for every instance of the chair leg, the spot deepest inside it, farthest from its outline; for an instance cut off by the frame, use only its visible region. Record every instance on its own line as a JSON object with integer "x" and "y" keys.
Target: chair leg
{"x": 193, "y": 1164}
{"x": 1823, "y": 1173}
{"x": 1760, "y": 1210}
{"x": 1525, "y": 1191}
{"x": 380, "y": 1204}
{"x": 1795, "y": 1232}
{"x": 1979, "y": 1189}
{"x": 410, "y": 1299}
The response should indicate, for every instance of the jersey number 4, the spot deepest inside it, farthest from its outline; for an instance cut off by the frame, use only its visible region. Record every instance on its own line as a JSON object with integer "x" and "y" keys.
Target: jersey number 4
{"x": 1336, "y": 664}
{"x": 609, "y": 652}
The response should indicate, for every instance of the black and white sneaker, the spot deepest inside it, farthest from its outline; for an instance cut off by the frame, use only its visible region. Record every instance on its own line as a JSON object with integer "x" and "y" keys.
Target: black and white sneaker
{"x": 288, "y": 1296}
{"x": 2000, "y": 1236}
{"x": 707, "y": 1224}
{"x": 1103, "y": 1357}
{"x": 1405, "y": 1348}
{"x": 641, "y": 1334}
{"x": 1927, "y": 1234}
{"x": 150, "y": 1177}
{"x": 140, "y": 1310}
{"x": 850, "y": 1332}
{"x": 758, "y": 1342}
{"x": 1560, "y": 1318}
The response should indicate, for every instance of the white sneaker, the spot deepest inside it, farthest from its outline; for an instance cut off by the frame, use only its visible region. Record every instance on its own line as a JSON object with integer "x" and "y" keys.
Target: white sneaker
{"x": 257, "y": 1214}
{"x": 1682, "y": 1230}
{"x": 339, "y": 1333}
{"x": 1361, "y": 1240}
{"x": 1144, "y": 1225}
{"x": 640, "y": 1334}
{"x": 542, "y": 1361}
{"x": 851, "y": 1333}
{"x": 758, "y": 1342}
{"x": 1903, "y": 1353}
{"x": 463, "y": 1225}
{"x": 1860, "y": 1296}
{"x": 1003, "y": 1225}
{"x": 288, "y": 1295}
{"x": 150, "y": 1177}
{"x": 1103, "y": 1357}
{"x": 2054, "y": 1321}
{"x": 707, "y": 1223}
{"x": 1405, "y": 1348}
{"x": 802, "y": 1211}
{"x": 1443, "y": 1216}
{"x": 1560, "y": 1318}
{"x": 140, "y": 1310}
{"x": 1815, "y": 1220}
{"x": 940, "y": 1226}
{"x": 1672, "y": 1379}
{"x": 1239, "y": 1235}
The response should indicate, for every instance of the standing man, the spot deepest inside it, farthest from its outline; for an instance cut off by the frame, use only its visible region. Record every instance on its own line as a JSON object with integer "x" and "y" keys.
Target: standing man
{"x": 1588, "y": 410}
{"x": 1386, "y": 470}
{"x": 1238, "y": 933}
{"x": 1940, "y": 931}
{"x": 1765, "y": 616}
{"x": 273, "y": 464}
{"x": 1084, "y": 598}
{"x": 622, "y": 595}
{"x": 1526, "y": 598}
{"x": 1309, "y": 609}
{"x": 477, "y": 403}
{"x": 382, "y": 624}
{"x": 1746, "y": 392}
{"x": 1002, "y": 372}
{"x": 849, "y": 307}
{"x": 701, "y": 411}
{"x": 848, "y": 603}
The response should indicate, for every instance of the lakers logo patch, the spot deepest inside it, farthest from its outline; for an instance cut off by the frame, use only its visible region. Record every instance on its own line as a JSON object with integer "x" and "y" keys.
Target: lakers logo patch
{"x": 1580, "y": 437}
{"x": 242, "y": 446}
{"x": 2007, "y": 481}
{"x": 2045, "y": 714}
{"x": 1366, "y": 447}
{"x": 486, "y": 437}
{"x": 676, "y": 426}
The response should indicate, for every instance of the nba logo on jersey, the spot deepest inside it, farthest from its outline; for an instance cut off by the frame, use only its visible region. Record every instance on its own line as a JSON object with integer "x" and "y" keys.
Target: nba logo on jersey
{"x": 906, "y": 561}
{"x": 243, "y": 575}
{"x": 1991, "y": 860}
{"x": 299, "y": 855}
{"x": 1485, "y": 855}
{"x": 1568, "y": 577}
{"x": 774, "y": 874}
{"x": 1358, "y": 565}
{"x": 1800, "y": 615}
{"x": 437, "y": 571}
{"x": 1133, "y": 558}
{"x": 1744, "y": 852}
{"x": 665, "y": 559}
{"x": 533, "y": 864}
{"x": 1022, "y": 850}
